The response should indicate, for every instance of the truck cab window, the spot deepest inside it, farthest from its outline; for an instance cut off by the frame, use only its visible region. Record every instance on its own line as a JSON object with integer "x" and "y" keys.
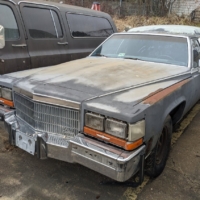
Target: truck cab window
{"x": 42, "y": 23}
{"x": 8, "y": 21}
{"x": 88, "y": 26}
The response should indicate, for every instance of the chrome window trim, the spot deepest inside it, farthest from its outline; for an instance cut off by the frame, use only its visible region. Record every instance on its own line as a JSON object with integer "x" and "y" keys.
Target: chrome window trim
{"x": 54, "y": 23}
{"x": 154, "y": 34}
{"x": 11, "y": 1}
{"x": 190, "y": 53}
{"x": 36, "y": 3}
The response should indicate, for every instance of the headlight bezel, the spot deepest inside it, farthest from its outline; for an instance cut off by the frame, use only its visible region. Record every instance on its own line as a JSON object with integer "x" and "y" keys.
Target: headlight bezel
{"x": 118, "y": 123}
{"x": 6, "y": 93}
{"x": 89, "y": 115}
{"x": 129, "y": 131}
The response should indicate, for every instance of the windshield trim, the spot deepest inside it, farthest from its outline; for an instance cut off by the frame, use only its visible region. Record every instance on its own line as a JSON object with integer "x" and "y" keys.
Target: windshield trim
{"x": 153, "y": 34}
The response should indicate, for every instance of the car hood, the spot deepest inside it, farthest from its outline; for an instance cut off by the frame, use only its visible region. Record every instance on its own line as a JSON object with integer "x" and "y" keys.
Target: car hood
{"x": 93, "y": 77}
{"x": 8, "y": 80}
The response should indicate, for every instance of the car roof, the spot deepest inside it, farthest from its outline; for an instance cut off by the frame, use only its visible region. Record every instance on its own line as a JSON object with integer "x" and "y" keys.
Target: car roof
{"x": 182, "y": 30}
{"x": 65, "y": 7}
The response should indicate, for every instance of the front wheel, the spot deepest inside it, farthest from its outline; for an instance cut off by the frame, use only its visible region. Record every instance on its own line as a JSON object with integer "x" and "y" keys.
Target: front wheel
{"x": 156, "y": 161}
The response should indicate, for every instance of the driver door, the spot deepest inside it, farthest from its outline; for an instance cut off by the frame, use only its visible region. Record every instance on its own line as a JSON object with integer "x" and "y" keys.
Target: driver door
{"x": 14, "y": 56}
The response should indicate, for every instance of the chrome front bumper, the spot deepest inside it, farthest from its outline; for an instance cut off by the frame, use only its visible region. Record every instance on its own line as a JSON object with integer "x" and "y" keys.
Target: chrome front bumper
{"x": 108, "y": 160}
{"x": 4, "y": 111}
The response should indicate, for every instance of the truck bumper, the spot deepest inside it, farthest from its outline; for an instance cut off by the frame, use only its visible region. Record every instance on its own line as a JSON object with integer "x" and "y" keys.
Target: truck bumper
{"x": 108, "y": 160}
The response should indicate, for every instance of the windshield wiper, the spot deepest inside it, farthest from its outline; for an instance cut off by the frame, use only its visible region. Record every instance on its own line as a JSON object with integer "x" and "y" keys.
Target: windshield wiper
{"x": 101, "y": 55}
{"x": 132, "y": 58}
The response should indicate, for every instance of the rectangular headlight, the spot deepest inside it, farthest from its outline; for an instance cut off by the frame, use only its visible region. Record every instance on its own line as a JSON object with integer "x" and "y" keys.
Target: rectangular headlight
{"x": 6, "y": 93}
{"x": 116, "y": 128}
{"x": 0, "y": 92}
{"x": 94, "y": 121}
{"x": 136, "y": 131}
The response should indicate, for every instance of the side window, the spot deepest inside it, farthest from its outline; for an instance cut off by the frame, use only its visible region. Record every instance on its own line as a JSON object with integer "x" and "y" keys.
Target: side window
{"x": 196, "y": 52}
{"x": 8, "y": 21}
{"x": 88, "y": 26}
{"x": 42, "y": 23}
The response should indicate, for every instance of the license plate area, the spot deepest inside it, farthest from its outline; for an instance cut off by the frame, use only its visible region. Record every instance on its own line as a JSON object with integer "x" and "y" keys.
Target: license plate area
{"x": 25, "y": 142}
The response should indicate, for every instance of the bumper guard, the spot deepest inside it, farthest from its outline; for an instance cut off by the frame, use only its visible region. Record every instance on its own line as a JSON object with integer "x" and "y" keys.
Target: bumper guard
{"x": 108, "y": 160}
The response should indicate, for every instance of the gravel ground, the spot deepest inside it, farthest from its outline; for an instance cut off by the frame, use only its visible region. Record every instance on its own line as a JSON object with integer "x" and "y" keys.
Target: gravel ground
{"x": 23, "y": 176}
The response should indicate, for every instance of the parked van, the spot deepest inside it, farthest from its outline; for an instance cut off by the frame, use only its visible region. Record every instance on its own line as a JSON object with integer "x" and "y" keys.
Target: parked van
{"x": 39, "y": 34}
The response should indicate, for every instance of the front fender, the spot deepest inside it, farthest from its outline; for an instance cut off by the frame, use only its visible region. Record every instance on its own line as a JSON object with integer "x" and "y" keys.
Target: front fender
{"x": 162, "y": 104}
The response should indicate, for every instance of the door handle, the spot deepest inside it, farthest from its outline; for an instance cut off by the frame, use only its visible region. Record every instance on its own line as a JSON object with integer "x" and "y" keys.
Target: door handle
{"x": 19, "y": 45}
{"x": 63, "y": 43}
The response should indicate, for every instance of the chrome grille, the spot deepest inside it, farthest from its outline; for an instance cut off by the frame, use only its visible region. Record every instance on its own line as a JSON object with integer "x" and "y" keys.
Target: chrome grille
{"x": 47, "y": 118}
{"x": 25, "y": 109}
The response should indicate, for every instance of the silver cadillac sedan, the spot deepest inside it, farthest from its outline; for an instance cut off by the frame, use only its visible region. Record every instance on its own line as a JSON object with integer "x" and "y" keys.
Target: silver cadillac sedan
{"x": 112, "y": 111}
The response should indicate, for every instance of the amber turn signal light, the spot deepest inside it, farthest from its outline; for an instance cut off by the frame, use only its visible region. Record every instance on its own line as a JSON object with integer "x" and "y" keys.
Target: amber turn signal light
{"x": 133, "y": 145}
{"x": 113, "y": 140}
{"x": 7, "y": 102}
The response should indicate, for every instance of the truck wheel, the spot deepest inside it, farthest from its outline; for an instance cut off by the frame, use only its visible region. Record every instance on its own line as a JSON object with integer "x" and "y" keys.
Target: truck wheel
{"x": 156, "y": 161}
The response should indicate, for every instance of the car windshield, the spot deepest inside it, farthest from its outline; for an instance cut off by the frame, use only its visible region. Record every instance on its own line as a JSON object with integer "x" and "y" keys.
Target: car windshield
{"x": 153, "y": 48}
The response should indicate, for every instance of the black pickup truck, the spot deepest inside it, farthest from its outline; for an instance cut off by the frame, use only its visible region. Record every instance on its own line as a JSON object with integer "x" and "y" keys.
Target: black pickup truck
{"x": 39, "y": 34}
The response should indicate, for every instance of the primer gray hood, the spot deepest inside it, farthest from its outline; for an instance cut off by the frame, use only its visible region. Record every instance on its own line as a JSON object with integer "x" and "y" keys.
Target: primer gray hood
{"x": 8, "y": 80}
{"x": 92, "y": 77}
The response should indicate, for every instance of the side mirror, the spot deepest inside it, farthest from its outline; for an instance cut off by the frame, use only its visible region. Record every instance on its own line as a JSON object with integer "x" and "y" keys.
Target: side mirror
{"x": 2, "y": 37}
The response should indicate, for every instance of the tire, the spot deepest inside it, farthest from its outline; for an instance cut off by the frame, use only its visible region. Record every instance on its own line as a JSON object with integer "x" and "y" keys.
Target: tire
{"x": 156, "y": 161}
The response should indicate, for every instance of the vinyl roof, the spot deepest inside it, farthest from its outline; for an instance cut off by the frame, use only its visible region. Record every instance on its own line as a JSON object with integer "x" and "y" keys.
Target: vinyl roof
{"x": 169, "y": 29}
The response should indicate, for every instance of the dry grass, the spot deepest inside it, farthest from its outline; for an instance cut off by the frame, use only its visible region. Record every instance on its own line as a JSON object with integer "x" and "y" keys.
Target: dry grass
{"x": 135, "y": 21}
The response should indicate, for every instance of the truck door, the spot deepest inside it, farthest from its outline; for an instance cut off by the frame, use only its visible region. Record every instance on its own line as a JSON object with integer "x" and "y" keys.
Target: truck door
{"x": 14, "y": 56}
{"x": 47, "y": 41}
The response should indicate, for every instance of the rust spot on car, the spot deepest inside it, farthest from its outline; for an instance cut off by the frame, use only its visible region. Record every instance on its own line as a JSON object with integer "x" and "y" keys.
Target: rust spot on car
{"x": 153, "y": 93}
{"x": 160, "y": 94}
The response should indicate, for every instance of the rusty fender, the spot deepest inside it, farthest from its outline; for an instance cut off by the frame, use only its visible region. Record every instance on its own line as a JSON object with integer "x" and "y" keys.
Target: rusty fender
{"x": 161, "y": 94}
{"x": 161, "y": 105}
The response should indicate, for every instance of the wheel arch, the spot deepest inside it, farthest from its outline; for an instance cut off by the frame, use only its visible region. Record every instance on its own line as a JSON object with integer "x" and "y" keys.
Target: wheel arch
{"x": 175, "y": 110}
{"x": 177, "y": 113}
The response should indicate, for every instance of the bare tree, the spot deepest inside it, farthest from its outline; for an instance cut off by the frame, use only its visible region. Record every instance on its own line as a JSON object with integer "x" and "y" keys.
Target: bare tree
{"x": 169, "y": 5}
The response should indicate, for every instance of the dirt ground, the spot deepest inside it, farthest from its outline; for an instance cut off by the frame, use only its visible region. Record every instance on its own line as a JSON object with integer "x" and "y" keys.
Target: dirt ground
{"x": 24, "y": 177}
